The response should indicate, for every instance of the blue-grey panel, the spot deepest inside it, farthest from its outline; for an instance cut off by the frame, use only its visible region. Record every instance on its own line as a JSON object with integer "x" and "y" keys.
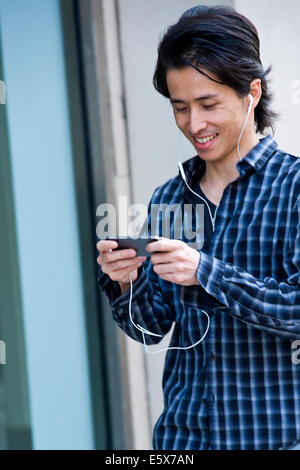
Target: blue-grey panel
{"x": 46, "y": 224}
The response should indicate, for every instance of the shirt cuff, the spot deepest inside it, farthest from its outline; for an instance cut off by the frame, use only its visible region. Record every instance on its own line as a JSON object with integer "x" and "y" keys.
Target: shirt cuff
{"x": 210, "y": 274}
{"x": 109, "y": 287}
{"x": 113, "y": 291}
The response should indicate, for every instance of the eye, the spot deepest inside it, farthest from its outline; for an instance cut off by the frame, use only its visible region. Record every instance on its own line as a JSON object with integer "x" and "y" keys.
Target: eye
{"x": 210, "y": 106}
{"x": 180, "y": 110}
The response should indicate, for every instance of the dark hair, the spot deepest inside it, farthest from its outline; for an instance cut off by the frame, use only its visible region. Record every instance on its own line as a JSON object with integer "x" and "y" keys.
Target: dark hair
{"x": 223, "y": 42}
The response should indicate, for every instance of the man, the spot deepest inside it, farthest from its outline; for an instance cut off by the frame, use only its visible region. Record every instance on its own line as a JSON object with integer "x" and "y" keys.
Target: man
{"x": 238, "y": 388}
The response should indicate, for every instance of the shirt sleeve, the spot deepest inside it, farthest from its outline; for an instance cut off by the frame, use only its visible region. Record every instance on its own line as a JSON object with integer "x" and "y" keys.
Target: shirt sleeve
{"x": 149, "y": 307}
{"x": 268, "y": 304}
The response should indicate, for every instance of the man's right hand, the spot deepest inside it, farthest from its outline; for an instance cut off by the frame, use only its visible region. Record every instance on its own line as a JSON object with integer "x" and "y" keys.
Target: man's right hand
{"x": 118, "y": 264}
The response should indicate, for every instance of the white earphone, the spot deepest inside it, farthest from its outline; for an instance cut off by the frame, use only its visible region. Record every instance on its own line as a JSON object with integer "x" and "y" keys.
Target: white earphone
{"x": 251, "y": 103}
{"x": 244, "y": 126}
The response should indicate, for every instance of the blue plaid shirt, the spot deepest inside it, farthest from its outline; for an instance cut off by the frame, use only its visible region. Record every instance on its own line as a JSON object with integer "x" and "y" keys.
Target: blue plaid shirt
{"x": 239, "y": 388}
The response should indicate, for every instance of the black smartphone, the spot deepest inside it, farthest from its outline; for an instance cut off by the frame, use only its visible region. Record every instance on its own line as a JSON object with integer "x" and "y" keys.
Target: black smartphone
{"x": 138, "y": 244}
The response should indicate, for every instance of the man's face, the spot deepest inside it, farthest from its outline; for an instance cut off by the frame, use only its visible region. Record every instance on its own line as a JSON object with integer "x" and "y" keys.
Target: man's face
{"x": 204, "y": 109}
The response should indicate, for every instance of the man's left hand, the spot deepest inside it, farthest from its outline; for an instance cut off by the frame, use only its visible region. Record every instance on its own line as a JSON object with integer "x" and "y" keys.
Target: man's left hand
{"x": 175, "y": 261}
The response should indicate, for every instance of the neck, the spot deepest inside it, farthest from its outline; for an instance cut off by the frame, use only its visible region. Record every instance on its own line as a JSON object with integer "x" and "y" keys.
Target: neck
{"x": 222, "y": 172}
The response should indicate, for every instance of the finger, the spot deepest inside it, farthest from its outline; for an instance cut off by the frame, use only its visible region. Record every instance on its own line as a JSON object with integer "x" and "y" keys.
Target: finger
{"x": 125, "y": 264}
{"x": 119, "y": 266}
{"x": 122, "y": 254}
{"x": 167, "y": 268}
{"x": 171, "y": 278}
{"x": 120, "y": 275}
{"x": 163, "y": 257}
{"x": 106, "y": 245}
{"x": 164, "y": 244}
{"x": 119, "y": 255}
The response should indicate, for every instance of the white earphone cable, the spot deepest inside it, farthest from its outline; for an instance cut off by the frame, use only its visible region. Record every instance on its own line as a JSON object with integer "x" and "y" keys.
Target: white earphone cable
{"x": 244, "y": 127}
{"x": 139, "y": 327}
{"x": 144, "y": 331}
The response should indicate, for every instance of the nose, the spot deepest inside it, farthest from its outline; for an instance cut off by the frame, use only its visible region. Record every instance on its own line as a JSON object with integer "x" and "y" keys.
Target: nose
{"x": 197, "y": 123}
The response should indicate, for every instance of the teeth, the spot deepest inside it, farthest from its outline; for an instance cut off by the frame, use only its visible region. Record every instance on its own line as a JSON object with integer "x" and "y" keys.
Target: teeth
{"x": 207, "y": 139}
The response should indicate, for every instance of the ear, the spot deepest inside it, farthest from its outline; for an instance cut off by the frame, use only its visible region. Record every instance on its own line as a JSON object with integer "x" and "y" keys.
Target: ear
{"x": 255, "y": 91}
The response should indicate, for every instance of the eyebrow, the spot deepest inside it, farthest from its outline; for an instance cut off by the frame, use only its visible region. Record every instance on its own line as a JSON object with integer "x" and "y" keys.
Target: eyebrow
{"x": 206, "y": 97}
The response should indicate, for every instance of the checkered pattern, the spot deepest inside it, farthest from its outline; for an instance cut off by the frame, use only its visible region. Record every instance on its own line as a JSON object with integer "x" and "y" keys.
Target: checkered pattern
{"x": 238, "y": 389}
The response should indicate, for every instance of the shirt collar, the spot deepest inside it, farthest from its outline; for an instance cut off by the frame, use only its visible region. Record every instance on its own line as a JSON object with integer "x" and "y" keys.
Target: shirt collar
{"x": 259, "y": 155}
{"x": 256, "y": 158}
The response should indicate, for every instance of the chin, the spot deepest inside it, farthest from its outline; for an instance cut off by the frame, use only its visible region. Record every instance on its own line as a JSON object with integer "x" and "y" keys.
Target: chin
{"x": 207, "y": 157}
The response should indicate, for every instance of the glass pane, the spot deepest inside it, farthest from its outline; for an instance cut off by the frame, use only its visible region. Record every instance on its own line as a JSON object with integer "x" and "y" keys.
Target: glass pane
{"x": 15, "y": 432}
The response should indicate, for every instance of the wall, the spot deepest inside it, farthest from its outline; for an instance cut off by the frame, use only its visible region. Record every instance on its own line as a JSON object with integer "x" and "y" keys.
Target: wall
{"x": 279, "y": 30}
{"x": 155, "y": 143}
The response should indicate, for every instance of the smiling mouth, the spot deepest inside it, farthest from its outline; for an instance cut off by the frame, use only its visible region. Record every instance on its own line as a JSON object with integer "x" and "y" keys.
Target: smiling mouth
{"x": 205, "y": 143}
{"x": 205, "y": 140}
